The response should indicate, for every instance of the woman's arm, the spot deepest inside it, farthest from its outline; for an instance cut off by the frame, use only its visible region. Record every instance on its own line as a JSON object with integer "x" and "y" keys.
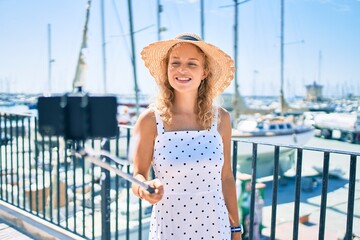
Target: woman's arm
{"x": 143, "y": 146}
{"x": 228, "y": 182}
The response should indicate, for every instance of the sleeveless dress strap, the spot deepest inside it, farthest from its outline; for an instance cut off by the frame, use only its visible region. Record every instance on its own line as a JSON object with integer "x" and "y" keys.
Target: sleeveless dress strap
{"x": 159, "y": 122}
{"x": 214, "y": 124}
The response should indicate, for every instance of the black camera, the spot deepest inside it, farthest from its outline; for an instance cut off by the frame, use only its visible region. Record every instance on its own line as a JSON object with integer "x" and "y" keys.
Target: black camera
{"x": 78, "y": 116}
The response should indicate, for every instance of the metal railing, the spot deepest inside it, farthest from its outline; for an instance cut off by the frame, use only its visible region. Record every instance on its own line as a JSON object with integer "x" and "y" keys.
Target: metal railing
{"x": 325, "y": 176}
{"x": 41, "y": 176}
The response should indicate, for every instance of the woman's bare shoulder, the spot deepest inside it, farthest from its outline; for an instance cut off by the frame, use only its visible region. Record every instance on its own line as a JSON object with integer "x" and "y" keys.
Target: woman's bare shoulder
{"x": 146, "y": 122}
{"x": 224, "y": 121}
{"x": 147, "y": 115}
{"x": 223, "y": 114}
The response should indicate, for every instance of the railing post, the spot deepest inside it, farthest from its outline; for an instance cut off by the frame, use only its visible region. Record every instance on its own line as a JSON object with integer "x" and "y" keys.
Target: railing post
{"x": 275, "y": 191}
{"x": 324, "y": 191}
{"x": 351, "y": 198}
{"x": 297, "y": 193}
{"x": 234, "y": 158}
{"x": 105, "y": 195}
{"x": 253, "y": 189}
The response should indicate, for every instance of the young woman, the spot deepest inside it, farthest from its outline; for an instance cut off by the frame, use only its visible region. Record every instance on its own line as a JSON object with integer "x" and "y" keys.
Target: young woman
{"x": 187, "y": 141}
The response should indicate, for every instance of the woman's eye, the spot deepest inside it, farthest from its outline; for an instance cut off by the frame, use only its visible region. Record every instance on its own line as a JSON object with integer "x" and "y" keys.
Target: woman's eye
{"x": 192, "y": 64}
{"x": 175, "y": 64}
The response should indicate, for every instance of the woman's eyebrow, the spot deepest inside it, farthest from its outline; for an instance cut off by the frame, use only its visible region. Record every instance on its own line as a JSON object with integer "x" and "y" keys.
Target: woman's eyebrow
{"x": 188, "y": 58}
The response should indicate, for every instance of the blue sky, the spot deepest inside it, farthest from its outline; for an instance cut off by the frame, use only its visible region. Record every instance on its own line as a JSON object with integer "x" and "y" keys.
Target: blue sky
{"x": 313, "y": 28}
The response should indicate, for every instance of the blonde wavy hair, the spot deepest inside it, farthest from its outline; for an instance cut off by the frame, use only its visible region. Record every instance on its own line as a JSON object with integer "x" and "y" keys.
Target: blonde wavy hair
{"x": 205, "y": 97}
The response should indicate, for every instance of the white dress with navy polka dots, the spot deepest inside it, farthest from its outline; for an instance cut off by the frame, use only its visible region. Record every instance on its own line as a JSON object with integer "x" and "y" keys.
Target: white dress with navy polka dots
{"x": 189, "y": 164}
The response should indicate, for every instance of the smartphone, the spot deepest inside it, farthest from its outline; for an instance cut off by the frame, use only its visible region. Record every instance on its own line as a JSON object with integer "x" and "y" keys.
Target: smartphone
{"x": 78, "y": 117}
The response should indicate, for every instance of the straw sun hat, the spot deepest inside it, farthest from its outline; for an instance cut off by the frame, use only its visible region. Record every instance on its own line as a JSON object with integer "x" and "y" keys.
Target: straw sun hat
{"x": 221, "y": 65}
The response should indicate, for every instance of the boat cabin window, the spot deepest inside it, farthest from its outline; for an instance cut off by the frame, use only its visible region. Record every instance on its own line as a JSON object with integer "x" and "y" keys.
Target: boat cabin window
{"x": 288, "y": 125}
{"x": 272, "y": 127}
{"x": 281, "y": 126}
{"x": 260, "y": 126}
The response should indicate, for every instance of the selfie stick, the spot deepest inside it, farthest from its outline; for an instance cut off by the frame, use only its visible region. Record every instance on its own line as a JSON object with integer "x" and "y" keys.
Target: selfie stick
{"x": 91, "y": 154}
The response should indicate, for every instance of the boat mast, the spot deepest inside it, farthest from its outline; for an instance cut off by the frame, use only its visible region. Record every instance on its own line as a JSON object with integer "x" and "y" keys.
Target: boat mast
{"x": 133, "y": 59}
{"x": 202, "y": 19}
{"x": 236, "y": 99}
{"x": 237, "y": 94}
{"x": 103, "y": 45}
{"x": 282, "y": 98}
{"x": 319, "y": 67}
{"x": 50, "y": 60}
{"x": 284, "y": 106}
{"x": 159, "y": 10}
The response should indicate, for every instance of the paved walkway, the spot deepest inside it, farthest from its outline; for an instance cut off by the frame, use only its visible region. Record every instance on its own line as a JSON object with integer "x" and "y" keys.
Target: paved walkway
{"x": 336, "y": 212}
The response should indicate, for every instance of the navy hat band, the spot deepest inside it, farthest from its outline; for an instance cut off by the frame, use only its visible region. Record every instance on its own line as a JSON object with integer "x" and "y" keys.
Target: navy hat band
{"x": 187, "y": 37}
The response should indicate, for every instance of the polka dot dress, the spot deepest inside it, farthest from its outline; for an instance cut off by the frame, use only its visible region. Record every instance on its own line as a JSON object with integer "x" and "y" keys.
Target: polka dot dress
{"x": 189, "y": 164}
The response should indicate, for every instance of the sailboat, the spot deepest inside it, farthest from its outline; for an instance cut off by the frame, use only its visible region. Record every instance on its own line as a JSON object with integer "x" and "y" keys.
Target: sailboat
{"x": 266, "y": 127}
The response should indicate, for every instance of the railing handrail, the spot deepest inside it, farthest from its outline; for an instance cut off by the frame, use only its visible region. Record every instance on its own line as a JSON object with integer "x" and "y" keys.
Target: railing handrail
{"x": 316, "y": 149}
{"x": 24, "y": 114}
{"x": 245, "y": 140}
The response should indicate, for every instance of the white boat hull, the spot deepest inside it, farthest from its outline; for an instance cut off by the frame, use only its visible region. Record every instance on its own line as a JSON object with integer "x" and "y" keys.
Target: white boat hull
{"x": 266, "y": 150}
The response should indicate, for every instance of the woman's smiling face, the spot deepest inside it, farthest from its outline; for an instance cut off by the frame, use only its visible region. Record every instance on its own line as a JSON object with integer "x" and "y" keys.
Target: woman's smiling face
{"x": 186, "y": 67}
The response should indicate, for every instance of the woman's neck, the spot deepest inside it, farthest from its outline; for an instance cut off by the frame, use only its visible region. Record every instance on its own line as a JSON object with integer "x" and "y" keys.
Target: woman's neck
{"x": 184, "y": 104}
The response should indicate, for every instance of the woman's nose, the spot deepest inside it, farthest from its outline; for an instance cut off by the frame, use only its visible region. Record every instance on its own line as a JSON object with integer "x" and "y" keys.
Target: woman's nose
{"x": 182, "y": 69}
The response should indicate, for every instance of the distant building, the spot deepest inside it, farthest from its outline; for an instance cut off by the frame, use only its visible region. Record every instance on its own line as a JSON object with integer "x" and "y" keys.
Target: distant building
{"x": 314, "y": 92}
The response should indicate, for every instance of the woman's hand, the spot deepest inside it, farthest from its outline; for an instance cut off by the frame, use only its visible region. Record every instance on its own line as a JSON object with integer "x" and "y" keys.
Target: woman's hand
{"x": 155, "y": 197}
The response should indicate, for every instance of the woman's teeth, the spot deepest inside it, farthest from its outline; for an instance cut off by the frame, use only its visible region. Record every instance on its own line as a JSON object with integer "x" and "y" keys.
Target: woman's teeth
{"x": 183, "y": 79}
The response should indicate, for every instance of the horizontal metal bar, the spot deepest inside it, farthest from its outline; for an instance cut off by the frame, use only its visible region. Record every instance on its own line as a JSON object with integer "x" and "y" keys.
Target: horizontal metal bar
{"x": 315, "y": 149}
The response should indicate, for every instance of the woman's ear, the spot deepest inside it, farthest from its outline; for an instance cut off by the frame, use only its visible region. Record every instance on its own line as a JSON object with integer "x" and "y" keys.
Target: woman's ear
{"x": 206, "y": 73}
